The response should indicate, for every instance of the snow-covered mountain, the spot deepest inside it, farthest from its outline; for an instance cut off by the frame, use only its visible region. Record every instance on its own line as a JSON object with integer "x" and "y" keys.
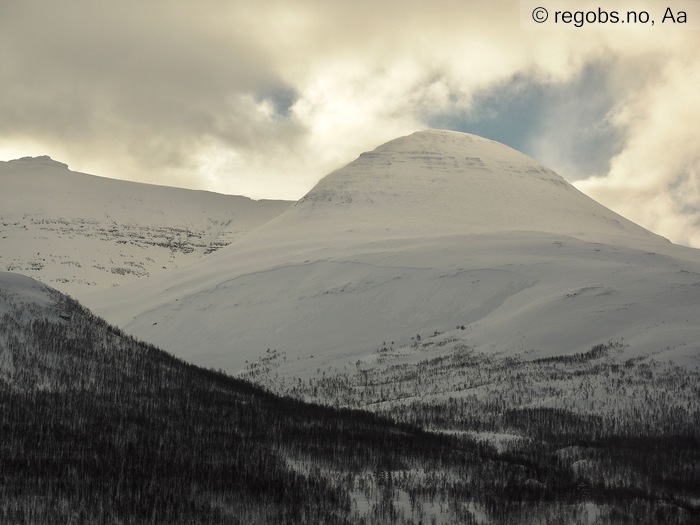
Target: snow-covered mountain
{"x": 77, "y": 232}
{"x": 548, "y": 346}
{"x": 426, "y": 233}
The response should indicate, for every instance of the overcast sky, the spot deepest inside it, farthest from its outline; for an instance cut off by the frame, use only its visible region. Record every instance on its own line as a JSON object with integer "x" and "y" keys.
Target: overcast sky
{"x": 264, "y": 98}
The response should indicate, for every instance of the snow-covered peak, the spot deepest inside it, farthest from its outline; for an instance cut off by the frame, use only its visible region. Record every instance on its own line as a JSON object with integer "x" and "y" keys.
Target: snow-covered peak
{"x": 425, "y": 233}
{"x": 426, "y": 164}
{"x": 452, "y": 183}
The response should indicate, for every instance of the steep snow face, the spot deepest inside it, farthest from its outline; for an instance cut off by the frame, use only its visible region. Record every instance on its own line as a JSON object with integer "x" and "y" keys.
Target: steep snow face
{"x": 78, "y": 232}
{"x": 425, "y": 233}
{"x": 436, "y": 182}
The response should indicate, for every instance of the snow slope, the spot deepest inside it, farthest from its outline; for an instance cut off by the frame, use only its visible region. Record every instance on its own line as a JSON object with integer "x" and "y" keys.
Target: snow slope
{"x": 22, "y": 290}
{"x": 77, "y": 231}
{"x": 427, "y": 232}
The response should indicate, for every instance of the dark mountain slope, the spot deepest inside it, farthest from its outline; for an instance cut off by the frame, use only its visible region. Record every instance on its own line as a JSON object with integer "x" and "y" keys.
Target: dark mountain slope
{"x": 96, "y": 427}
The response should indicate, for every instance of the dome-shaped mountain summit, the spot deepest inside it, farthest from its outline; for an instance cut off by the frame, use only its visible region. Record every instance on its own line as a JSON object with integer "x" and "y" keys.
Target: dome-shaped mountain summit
{"x": 444, "y": 182}
{"x": 427, "y": 232}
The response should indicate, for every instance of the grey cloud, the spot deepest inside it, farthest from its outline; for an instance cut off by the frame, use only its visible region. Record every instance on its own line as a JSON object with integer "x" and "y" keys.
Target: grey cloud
{"x": 145, "y": 75}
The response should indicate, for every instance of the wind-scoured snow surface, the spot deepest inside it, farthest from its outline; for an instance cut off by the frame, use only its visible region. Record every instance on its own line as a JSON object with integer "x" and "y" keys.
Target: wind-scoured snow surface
{"x": 78, "y": 232}
{"x": 427, "y": 232}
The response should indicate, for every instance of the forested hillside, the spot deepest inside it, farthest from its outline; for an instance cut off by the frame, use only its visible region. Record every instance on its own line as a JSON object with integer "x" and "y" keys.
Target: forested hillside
{"x": 97, "y": 427}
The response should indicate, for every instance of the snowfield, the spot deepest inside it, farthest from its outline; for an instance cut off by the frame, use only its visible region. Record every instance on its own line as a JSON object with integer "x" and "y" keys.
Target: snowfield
{"x": 427, "y": 232}
{"x": 78, "y": 232}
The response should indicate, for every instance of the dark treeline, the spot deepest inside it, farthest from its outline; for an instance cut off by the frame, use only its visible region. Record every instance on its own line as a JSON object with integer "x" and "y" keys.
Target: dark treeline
{"x": 626, "y": 430}
{"x": 96, "y": 427}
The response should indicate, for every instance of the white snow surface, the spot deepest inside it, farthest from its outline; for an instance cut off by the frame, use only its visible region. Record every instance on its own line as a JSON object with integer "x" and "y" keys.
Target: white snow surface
{"x": 78, "y": 232}
{"x": 427, "y": 232}
{"x": 23, "y": 290}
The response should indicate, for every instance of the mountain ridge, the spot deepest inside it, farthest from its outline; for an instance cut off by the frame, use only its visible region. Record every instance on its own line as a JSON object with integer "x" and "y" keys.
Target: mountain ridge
{"x": 77, "y": 231}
